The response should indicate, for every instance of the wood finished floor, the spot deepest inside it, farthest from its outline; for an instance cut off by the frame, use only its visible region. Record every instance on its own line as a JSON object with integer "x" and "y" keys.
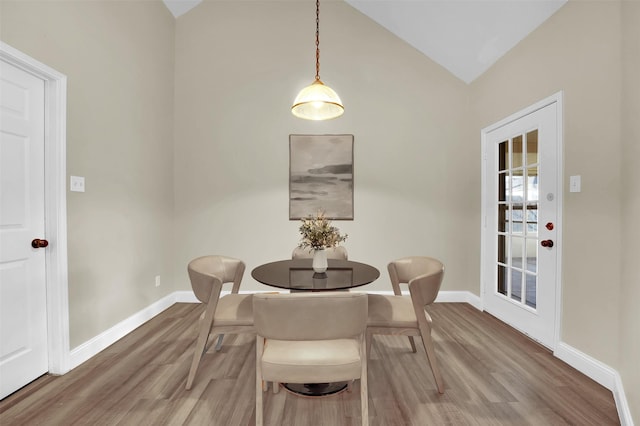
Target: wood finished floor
{"x": 493, "y": 376}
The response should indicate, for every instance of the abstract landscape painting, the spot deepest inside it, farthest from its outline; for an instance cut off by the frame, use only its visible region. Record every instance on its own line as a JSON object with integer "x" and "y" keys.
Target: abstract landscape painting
{"x": 321, "y": 176}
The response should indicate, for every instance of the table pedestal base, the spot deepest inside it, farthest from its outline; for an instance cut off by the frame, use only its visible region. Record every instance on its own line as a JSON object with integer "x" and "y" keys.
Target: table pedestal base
{"x": 315, "y": 389}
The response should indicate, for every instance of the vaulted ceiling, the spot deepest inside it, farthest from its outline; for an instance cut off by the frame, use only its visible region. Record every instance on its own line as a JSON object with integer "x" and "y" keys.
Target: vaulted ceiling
{"x": 464, "y": 36}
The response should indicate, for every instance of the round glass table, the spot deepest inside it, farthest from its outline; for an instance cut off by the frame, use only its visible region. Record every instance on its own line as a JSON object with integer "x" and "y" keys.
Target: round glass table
{"x": 298, "y": 275}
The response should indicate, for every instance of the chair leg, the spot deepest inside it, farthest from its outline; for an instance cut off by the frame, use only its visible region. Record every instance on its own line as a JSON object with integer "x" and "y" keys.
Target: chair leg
{"x": 364, "y": 391}
{"x": 427, "y": 342}
{"x": 369, "y": 341}
{"x": 259, "y": 405}
{"x": 205, "y": 329}
{"x": 364, "y": 402}
{"x": 219, "y": 343}
{"x": 413, "y": 344}
{"x": 259, "y": 381}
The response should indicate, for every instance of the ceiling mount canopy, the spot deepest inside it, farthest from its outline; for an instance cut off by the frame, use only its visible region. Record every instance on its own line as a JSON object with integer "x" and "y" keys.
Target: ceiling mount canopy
{"x": 317, "y": 101}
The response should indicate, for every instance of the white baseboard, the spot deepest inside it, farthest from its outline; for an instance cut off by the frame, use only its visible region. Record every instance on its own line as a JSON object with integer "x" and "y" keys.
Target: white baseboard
{"x": 460, "y": 297}
{"x": 186, "y": 297}
{"x": 600, "y": 373}
{"x": 622, "y": 404}
{"x": 91, "y": 347}
{"x": 451, "y": 297}
{"x": 596, "y": 370}
{"x": 593, "y": 368}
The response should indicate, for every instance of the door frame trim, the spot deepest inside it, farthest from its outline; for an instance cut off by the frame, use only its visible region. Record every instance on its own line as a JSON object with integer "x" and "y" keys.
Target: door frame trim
{"x": 556, "y": 98}
{"x": 55, "y": 84}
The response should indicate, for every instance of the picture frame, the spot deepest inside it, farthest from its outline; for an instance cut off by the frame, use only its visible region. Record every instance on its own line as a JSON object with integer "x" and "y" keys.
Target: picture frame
{"x": 321, "y": 176}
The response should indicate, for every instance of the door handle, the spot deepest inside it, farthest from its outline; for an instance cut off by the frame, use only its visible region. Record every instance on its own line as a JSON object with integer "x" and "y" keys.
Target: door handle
{"x": 38, "y": 243}
{"x": 546, "y": 243}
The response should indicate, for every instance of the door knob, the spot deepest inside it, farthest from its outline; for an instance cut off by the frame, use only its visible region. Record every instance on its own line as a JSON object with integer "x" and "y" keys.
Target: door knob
{"x": 546, "y": 243}
{"x": 38, "y": 243}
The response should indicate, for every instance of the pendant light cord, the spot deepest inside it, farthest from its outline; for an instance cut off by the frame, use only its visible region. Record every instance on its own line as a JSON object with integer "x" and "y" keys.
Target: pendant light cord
{"x": 317, "y": 40}
{"x": 317, "y": 101}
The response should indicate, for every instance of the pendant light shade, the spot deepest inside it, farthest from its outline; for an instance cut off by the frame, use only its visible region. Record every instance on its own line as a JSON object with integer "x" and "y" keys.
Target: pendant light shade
{"x": 317, "y": 101}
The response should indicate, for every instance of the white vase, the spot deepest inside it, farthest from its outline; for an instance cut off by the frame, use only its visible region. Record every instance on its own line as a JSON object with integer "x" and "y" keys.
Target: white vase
{"x": 319, "y": 260}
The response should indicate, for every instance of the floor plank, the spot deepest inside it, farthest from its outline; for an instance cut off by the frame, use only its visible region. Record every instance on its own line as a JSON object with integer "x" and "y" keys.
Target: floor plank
{"x": 493, "y": 376}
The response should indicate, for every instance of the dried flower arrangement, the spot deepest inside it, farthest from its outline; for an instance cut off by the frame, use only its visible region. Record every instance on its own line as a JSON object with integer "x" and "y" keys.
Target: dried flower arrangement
{"x": 318, "y": 233}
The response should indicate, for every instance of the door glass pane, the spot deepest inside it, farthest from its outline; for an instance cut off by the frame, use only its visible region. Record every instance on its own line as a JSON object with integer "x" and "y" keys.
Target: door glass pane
{"x": 532, "y": 254}
{"x": 502, "y": 249}
{"x": 516, "y": 284}
{"x": 532, "y": 219}
{"x": 516, "y": 186}
{"x": 532, "y": 147}
{"x": 532, "y": 184}
{"x": 531, "y": 286}
{"x": 502, "y": 217}
{"x": 502, "y": 186}
{"x": 517, "y": 249}
{"x": 503, "y": 155}
{"x": 517, "y": 159}
{"x": 517, "y": 219}
{"x": 502, "y": 280}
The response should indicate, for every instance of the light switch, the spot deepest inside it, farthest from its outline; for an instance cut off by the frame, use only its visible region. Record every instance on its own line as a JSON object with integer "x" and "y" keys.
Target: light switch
{"x": 575, "y": 183}
{"x": 77, "y": 183}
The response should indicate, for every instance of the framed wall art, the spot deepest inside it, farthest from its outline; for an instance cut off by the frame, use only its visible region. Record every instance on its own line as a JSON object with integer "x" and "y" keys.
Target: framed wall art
{"x": 321, "y": 176}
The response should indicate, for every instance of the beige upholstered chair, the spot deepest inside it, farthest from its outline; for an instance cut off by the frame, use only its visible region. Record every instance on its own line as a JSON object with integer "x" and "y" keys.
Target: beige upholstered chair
{"x": 401, "y": 271}
{"x": 232, "y": 313}
{"x": 402, "y": 315}
{"x": 310, "y": 338}
{"x": 337, "y": 252}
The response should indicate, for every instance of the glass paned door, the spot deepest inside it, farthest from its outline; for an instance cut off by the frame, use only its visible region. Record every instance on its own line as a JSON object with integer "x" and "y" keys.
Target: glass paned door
{"x": 520, "y": 194}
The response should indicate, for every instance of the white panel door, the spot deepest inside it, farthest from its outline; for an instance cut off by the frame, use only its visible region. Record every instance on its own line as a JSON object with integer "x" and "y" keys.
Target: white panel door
{"x": 23, "y": 305}
{"x": 520, "y": 239}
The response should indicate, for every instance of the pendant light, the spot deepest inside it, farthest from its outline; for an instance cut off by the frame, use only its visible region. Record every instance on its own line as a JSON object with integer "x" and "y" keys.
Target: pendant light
{"x": 317, "y": 101}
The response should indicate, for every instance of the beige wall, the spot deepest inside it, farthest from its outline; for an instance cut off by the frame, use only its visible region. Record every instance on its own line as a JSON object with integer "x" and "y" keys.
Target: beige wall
{"x": 578, "y": 51}
{"x": 630, "y": 290}
{"x": 118, "y": 57}
{"x": 239, "y": 66}
{"x": 591, "y": 51}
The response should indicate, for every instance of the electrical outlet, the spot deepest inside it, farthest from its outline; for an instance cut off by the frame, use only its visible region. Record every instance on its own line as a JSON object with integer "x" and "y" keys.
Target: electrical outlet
{"x": 157, "y": 280}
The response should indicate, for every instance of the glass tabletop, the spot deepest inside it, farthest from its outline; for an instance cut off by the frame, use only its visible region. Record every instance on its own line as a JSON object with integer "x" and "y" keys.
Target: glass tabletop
{"x": 298, "y": 275}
